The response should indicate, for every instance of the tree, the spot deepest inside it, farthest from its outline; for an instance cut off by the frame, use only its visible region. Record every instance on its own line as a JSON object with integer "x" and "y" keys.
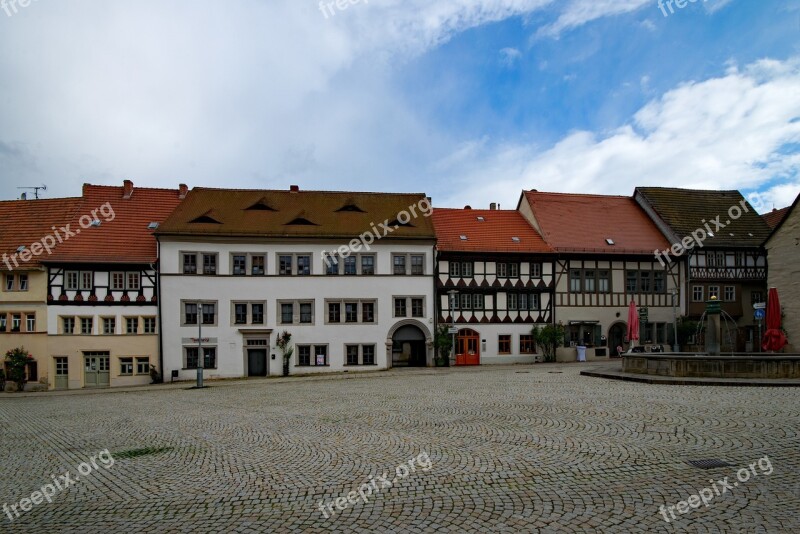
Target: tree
{"x": 16, "y": 360}
{"x": 283, "y": 344}
{"x": 443, "y": 340}
{"x": 686, "y": 329}
{"x": 547, "y": 339}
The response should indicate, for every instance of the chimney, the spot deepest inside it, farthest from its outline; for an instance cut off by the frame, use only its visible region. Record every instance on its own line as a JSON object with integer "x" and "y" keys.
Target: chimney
{"x": 127, "y": 191}
{"x": 493, "y": 206}
{"x": 467, "y": 207}
{"x": 294, "y": 188}
{"x": 183, "y": 189}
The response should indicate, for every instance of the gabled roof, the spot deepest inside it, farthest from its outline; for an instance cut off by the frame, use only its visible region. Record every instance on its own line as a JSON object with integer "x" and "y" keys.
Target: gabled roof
{"x": 124, "y": 234}
{"x": 687, "y": 210}
{"x": 297, "y": 214}
{"x": 585, "y": 223}
{"x": 774, "y": 217}
{"x": 486, "y": 231}
{"x": 26, "y": 222}
{"x": 789, "y": 211}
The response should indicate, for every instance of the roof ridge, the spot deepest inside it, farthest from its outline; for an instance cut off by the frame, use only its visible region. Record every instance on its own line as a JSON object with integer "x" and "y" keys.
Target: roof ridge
{"x": 342, "y": 192}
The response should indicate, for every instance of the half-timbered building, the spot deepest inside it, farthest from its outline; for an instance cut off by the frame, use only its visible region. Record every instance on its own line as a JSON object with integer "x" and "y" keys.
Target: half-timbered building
{"x": 102, "y": 288}
{"x": 604, "y": 246}
{"x": 494, "y": 283}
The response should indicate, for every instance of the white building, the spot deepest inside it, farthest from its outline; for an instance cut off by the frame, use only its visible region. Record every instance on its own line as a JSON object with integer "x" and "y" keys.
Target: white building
{"x": 348, "y": 275}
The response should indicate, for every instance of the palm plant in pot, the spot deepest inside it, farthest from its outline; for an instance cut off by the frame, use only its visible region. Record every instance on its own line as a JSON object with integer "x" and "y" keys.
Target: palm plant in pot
{"x": 283, "y": 343}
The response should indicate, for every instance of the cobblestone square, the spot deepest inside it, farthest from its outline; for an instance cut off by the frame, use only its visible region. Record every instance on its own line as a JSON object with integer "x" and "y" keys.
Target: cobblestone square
{"x": 518, "y": 448}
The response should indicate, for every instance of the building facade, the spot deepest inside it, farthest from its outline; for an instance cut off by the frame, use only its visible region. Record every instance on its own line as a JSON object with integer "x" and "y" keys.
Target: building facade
{"x": 783, "y": 249}
{"x": 348, "y": 275}
{"x": 494, "y": 283}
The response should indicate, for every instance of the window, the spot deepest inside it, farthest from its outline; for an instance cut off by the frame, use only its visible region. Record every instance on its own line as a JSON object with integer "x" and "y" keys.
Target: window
{"x": 303, "y": 265}
{"x": 417, "y": 264}
{"x": 730, "y": 293}
{"x": 306, "y": 313}
{"x": 3, "y": 322}
{"x": 117, "y": 281}
{"x": 71, "y": 281}
{"x": 10, "y": 282}
{"x": 466, "y": 269}
{"x": 68, "y": 325}
{"x": 142, "y": 366}
{"x": 698, "y": 294}
{"x": 311, "y": 356}
{"x": 508, "y": 270}
{"x": 589, "y": 281}
{"x": 258, "y": 265}
{"x": 190, "y": 263}
{"x": 367, "y": 265}
{"x": 659, "y": 282}
{"x": 331, "y": 264}
{"x": 528, "y": 301}
{"x": 368, "y": 354}
{"x": 417, "y": 308}
{"x": 352, "y": 354}
{"x": 210, "y": 264}
{"x": 16, "y": 322}
{"x": 285, "y": 265}
{"x": 575, "y": 280}
{"x": 126, "y": 366}
{"x": 632, "y": 282}
{"x": 646, "y": 282}
{"x": 62, "y": 366}
{"x": 478, "y": 302}
{"x": 367, "y": 312}
{"x": 209, "y": 357}
{"x": 603, "y": 282}
{"x": 209, "y": 313}
{"x": 149, "y": 325}
{"x": 756, "y": 296}
{"x": 86, "y": 326}
{"x": 239, "y": 265}
{"x": 134, "y": 281}
{"x": 466, "y": 301}
{"x": 504, "y": 344}
{"x": 23, "y": 282}
{"x": 513, "y": 301}
{"x": 455, "y": 269}
{"x": 536, "y": 270}
{"x": 715, "y": 259}
{"x": 30, "y": 323}
{"x": 87, "y": 277}
{"x": 334, "y": 312}
{"x": 350, "y": 266}
{"x": 400, "y": 307}
{"x": 713, "y": 292}
{"x": 240, "y": 313}
{"x": 526, "y": 345}
{"x": 190, "y": 313}
{"x": 351, "y": 312}
{"x": 399, "y": 263}
{"x": 109, "y": 326}
{"x": 287, "y": 313}
{"x": 131, "y": 325}
{"x": 257, "y": 313}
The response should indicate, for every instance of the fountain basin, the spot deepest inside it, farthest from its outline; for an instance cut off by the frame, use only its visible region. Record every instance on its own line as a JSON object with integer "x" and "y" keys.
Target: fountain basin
{"x": 737, "y": 365}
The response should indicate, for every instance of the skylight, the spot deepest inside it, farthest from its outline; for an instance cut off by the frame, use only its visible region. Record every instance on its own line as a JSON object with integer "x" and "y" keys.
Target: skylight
{"x": 20, "y": 248}
{"x": 610, "y": 241}
{"x": 463, "y": 238}
{"x": 515, "y": 239}
{"x": 152, "y": 226}
{"x": 481, "y": 219}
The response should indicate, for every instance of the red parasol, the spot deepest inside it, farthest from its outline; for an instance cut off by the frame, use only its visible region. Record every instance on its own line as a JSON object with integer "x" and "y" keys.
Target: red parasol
{"x": 774, "y": 338}
{"x": 633, "y": 323}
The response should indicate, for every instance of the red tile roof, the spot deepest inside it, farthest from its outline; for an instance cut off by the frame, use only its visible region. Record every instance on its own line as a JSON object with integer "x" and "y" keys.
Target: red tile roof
{"x": 774, "y": 217}
{"x": 494, "y": 233}
{"x": 26, "y": 222}
{"x": 123, "y": 235}
{"x": 583, "y": 223}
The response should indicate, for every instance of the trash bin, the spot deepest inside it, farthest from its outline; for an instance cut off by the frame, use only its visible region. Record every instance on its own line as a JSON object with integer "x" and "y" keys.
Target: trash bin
{"x": 581, "y": 353}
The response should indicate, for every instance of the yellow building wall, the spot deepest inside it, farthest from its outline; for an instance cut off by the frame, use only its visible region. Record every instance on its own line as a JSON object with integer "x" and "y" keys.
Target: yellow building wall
{"x": 783, "y": 251}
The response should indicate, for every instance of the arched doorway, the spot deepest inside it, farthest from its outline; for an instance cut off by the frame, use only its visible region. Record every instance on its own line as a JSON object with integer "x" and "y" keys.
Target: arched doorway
{"x": 468, "y": 347}
{"x": 616, "y": 337}
{"x": 408, "y": 347}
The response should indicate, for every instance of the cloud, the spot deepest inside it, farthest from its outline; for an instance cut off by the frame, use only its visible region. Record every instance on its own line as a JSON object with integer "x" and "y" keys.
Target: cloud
{"x": 579, "y": 12}
{"x": 509, "y": 56}
{"x": 738, "y": 131}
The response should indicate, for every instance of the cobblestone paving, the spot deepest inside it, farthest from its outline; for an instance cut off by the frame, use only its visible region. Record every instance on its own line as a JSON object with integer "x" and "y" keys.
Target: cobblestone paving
{"x": 522, "y": 448}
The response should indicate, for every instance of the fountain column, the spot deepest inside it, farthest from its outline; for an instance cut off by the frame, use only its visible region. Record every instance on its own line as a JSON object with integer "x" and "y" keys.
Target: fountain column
{"x": 713, "y": 327}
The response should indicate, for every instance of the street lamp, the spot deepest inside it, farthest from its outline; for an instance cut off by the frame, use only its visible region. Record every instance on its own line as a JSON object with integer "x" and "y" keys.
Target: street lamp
{"x": 453, "y": 293}
{"x": 675, "y": 345}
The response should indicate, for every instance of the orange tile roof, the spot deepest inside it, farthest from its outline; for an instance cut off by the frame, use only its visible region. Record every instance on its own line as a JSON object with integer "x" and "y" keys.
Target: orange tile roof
{"x": 123, "y": 238}
{"x": 494, "y": 233}
{"x": 582, "y": 223}
{"x": 295, "y": 214}
{"x": 774, "y": 217}
{"x": 26, "y": 222}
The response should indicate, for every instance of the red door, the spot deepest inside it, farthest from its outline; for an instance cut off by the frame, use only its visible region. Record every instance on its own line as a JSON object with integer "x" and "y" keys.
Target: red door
{"x": 468, "y": 348}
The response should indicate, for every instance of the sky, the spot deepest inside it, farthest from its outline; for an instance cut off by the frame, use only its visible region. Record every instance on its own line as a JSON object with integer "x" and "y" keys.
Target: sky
{"x": 469, "y": 101}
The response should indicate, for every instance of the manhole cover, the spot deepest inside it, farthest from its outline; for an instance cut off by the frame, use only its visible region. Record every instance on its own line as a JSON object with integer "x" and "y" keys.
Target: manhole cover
{"x": 708, "y": 464}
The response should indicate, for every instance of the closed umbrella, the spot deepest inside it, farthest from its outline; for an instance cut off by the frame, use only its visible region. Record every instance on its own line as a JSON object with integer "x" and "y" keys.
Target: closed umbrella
{"x": 633, "y": 323}
{"x": 774, "y": 338}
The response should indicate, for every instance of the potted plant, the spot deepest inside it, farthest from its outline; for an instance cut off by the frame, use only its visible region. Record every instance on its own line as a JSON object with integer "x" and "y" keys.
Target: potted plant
{"x": 443, "y": 341}
{"x": 548, "y": 339}
{"x": 287, "y": 350}
{"x": 16, "y": 360}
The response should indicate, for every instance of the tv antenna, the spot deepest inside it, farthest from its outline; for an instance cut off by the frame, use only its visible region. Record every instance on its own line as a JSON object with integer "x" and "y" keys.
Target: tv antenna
{"x": 35, "y": 191}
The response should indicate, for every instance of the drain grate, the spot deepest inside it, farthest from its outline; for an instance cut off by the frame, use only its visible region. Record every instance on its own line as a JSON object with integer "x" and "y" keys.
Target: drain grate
{"x": 522, "y": 372}
{"x": 711, "y": 463}
{"x": 555, "y": 372}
